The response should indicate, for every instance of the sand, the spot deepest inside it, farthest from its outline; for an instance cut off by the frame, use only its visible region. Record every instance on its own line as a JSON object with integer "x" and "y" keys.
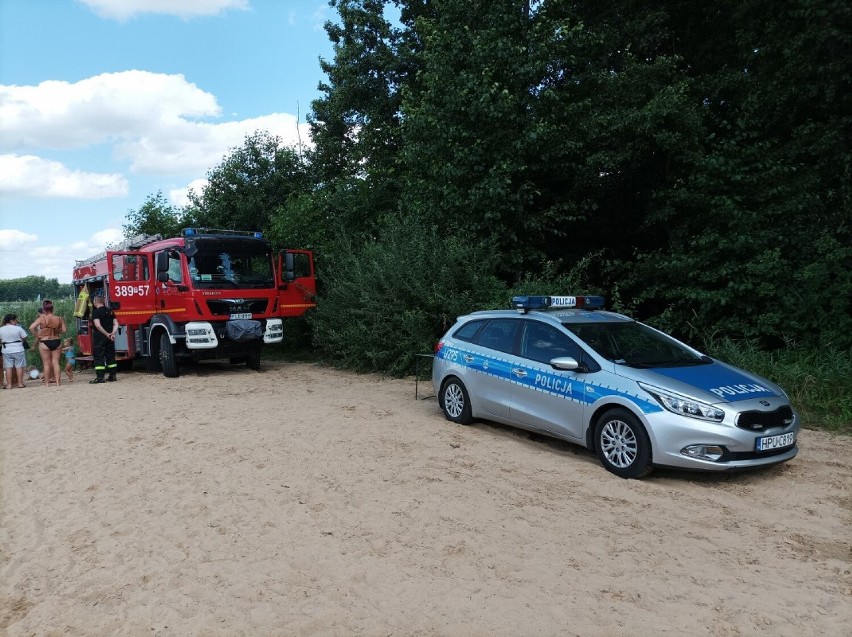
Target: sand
{"x": 300, "y": 500}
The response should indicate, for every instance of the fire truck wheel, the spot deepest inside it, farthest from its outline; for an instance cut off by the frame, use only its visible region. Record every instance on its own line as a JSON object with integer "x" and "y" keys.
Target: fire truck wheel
{"x": 167, "y": 357}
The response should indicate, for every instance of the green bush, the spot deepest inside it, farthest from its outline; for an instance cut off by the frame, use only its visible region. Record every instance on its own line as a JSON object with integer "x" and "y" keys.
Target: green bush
{"x": 383, "y": 302}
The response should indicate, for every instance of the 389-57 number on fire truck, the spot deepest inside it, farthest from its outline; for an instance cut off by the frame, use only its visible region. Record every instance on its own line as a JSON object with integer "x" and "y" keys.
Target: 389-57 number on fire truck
{"x": 132, "y": 290}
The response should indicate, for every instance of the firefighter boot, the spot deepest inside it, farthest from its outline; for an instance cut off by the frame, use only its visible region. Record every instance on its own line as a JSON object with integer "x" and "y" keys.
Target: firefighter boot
{"x": 97, "y": 380}
{"x": 111, "y": 378}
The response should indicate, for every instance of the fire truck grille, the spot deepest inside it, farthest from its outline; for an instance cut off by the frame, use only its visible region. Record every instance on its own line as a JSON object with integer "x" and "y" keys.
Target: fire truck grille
{"x": 226, "y": 307}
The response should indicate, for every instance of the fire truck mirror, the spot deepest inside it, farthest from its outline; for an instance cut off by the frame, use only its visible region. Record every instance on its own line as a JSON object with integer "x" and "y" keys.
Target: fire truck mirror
{"x": 163, "y": 265}
{"x": 163, "y": 277}
{"x": 289, "y": 266}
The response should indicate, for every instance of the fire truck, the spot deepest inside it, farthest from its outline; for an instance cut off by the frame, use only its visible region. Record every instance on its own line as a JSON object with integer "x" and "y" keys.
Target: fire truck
{"x": 207, "y": 294}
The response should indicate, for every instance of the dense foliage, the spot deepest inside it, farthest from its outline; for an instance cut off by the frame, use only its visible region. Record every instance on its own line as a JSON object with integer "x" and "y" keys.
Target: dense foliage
{"x": 689, "y": 161}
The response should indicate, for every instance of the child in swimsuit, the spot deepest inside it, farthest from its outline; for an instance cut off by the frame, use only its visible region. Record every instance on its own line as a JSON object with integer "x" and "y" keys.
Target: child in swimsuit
{"x": 70, "y": 358}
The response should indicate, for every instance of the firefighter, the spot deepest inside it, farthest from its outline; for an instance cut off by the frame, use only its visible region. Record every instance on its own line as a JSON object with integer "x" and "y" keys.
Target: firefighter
{"x": 103, "y": 341}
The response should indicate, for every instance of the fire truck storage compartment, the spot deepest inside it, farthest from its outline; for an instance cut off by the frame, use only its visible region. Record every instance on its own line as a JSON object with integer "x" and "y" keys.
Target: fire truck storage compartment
{"x": 121, "y": 339}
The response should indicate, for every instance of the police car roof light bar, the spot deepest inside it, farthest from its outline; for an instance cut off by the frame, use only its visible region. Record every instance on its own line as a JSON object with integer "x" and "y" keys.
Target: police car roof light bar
{"x": 526, "y": 303}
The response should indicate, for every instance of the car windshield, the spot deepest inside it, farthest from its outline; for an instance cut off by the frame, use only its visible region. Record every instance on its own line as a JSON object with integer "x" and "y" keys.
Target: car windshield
{"x": 236, "y": 266}
{"x": 635, "y": 345}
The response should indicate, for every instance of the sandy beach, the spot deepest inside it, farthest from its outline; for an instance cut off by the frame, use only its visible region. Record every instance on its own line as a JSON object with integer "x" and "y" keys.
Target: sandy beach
{"x": 301, "y": 500}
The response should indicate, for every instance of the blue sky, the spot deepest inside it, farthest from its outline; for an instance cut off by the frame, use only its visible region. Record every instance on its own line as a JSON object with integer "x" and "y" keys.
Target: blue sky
{"x": 103, "y": 102}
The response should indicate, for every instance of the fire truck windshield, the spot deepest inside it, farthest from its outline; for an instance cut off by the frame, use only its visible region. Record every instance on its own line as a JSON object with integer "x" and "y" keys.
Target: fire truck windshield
{"x": 219, "y": 265}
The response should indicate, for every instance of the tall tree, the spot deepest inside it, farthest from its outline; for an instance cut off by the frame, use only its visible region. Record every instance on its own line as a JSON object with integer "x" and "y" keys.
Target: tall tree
{"x": 355, "y": 124}
{"x": 467, "y": 122}
{"x": 247, "y": 188}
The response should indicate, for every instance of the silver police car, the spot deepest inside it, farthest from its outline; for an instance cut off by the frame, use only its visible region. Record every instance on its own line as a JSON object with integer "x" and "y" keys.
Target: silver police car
{"x": 561, "y": 366}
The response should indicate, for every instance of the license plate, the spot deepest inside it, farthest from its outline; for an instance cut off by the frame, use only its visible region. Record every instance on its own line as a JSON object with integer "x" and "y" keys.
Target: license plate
{"x": 775, "y": 442}
{"x": 244, "y": 315}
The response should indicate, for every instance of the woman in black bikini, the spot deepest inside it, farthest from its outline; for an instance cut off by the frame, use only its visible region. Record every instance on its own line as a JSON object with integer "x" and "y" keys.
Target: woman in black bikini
{"x": 49, "y": 329}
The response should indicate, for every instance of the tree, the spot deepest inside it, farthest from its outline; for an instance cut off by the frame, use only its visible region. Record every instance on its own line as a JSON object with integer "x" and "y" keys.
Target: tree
{"x": 355, "y": 126}
{"x": 467, "y": 146}
{"x": 30, "y": 288}
{"x": 247, "y": 188}
{"x": 757, "y": 219}
{"x": 155, "y": 216}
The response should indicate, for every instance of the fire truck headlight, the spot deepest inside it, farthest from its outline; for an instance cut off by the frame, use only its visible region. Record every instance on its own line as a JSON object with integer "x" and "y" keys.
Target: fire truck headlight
{"x": 274, "y": 331}
{"x": 200, "y": 335}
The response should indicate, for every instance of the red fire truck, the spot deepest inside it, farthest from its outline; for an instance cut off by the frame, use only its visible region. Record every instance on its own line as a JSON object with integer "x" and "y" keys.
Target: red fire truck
{"x": 206, "y": 294}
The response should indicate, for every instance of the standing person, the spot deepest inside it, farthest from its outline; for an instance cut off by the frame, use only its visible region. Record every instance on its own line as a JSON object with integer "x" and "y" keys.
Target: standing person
{"x": 103, "y": 341}
{"x": 14, "y": 355}
{"x": 70, "y": 358}
{"x": 50, "y": 327}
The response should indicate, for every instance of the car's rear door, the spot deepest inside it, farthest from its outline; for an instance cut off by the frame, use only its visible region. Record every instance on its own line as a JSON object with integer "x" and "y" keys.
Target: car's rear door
{"x": 488, "y": 362}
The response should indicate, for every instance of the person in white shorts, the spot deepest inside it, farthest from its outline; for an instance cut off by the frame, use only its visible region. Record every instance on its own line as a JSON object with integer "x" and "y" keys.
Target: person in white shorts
{"x": 14, "y": 355}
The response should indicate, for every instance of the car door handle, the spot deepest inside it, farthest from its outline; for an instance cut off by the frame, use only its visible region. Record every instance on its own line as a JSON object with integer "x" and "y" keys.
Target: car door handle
{"x": 468, "y": 358}
{"x": 519, "y": 373}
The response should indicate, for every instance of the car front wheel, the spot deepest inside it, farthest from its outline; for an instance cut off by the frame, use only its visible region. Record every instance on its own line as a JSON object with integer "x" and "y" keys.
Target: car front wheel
{"x": 455, "y": 401}
{"x": 622, "y": 444}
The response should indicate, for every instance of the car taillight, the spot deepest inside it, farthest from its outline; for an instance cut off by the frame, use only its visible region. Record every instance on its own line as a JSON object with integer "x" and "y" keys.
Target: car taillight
{"x": 438, "y": 346}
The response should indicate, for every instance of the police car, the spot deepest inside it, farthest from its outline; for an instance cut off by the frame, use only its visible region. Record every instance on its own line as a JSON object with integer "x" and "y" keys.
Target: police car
{"x": 561, "y": 366}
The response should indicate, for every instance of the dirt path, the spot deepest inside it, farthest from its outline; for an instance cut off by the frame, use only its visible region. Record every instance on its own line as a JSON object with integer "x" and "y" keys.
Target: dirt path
{"x": 306, "y": 501}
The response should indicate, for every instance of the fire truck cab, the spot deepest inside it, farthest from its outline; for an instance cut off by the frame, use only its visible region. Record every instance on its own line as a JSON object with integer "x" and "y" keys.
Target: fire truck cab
{"x": 207, "y": 294}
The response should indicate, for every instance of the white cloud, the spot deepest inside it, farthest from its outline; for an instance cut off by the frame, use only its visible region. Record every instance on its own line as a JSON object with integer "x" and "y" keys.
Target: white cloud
{"x": 36, "y": 177}
{"x": 187, "y": 147}
{"x": 158, "y": 123}
{"x": 110, "y": 106}
{"x": 105, "y": 238}
{"x": 180, "y": 196}
{"x": 21, "y": 255}
{"x": 125, "y": 9}
{"x": 15, "y": 239}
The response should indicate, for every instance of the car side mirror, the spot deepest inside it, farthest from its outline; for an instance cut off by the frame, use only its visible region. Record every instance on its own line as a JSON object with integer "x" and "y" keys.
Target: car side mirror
{"x": 163, "y": 277}
{"x": 566, "y": 363}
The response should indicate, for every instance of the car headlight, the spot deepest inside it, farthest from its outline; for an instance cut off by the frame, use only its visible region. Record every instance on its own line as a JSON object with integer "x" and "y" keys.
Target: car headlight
{"x": 685, "y": 406}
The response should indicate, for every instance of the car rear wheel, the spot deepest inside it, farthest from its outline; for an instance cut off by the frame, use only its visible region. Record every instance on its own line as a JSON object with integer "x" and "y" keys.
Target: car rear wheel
{"x": 622, "y": 444}
{"x": 455, "y": 401}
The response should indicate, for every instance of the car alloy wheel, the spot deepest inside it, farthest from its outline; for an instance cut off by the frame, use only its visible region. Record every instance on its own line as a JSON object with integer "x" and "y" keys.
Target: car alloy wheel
{"x": 455, "y": 401}
{"x": 622, "y": 444}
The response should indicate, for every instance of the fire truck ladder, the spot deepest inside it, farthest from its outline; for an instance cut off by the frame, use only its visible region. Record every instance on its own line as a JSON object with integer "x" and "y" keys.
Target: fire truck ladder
{"x": 133, "y": 243}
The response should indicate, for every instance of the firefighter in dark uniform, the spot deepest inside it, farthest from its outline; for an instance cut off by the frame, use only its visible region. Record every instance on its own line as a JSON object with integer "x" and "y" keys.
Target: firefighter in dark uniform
{"x": 103, "y": 341}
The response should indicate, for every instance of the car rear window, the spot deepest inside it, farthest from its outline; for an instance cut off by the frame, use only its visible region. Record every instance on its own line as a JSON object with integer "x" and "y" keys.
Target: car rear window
{"x": 467, "y": 331}
{"x": 499, "y": 334}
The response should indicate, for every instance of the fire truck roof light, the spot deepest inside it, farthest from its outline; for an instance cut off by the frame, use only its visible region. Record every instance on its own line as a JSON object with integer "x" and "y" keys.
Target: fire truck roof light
{"x": 527, "y": 303}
